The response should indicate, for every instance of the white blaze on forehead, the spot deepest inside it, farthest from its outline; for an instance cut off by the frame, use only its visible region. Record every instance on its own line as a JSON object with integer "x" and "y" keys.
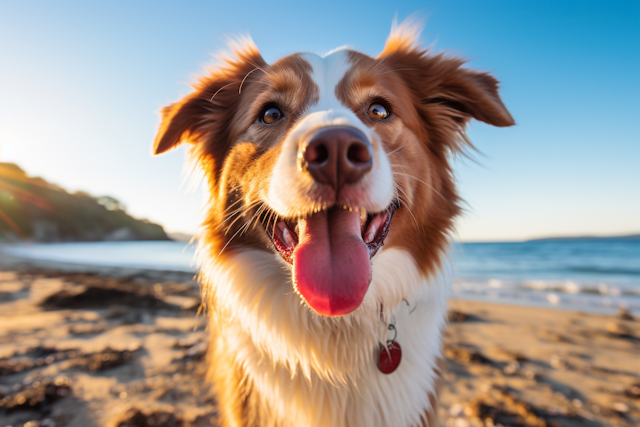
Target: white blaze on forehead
{"x": 328, "y": 71}
{"x": 290, "y": 188}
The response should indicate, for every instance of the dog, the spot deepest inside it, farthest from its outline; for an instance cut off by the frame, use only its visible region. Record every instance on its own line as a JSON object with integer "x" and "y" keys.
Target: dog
{"x": 323, "y": 255}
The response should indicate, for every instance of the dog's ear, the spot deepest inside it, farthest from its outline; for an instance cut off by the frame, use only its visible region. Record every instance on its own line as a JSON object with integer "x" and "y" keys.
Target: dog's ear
{"x": 181, "y": 122}
{"x": 441, "y": 82}
{"x": 471, "y": 94}
{"x": 209, "y": 110}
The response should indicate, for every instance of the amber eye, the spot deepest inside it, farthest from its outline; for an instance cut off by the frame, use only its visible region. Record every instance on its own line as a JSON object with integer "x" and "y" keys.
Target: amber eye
{"x": 271, "y": 115}
{"x": 378, "y": 111}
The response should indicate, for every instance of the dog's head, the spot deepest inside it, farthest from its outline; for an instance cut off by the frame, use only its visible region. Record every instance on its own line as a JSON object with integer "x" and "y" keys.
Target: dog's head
{"x": 325, "y": 159}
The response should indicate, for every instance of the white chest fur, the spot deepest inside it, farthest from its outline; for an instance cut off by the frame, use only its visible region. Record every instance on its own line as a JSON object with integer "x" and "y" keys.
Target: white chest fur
{"x": 314, "y": 371}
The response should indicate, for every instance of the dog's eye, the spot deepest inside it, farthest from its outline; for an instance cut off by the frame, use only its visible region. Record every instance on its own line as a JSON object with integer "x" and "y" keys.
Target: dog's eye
{"x": 378, "y": 111}
{"x": 271, "y": 115}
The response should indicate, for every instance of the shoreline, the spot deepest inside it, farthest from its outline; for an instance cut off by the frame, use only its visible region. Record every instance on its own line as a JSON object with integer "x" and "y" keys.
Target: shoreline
{"x": 111, "y": 345}
{"x": 12, "y": 262}
{"x": 15, "y": 262}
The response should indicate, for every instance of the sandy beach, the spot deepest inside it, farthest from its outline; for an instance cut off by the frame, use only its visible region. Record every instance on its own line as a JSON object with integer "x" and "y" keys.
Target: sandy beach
{"x": 83, "y": 346}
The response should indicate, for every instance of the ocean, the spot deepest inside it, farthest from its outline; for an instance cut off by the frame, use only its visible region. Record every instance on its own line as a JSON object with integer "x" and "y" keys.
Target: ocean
{"x": 594, "y": 275}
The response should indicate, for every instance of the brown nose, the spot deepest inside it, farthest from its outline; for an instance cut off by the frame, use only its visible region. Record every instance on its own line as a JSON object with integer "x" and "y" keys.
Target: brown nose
{"x": 338, "y": 155}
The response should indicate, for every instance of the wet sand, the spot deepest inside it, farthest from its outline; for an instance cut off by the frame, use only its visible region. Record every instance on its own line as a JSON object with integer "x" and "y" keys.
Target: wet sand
{"x": 83, "y": 346}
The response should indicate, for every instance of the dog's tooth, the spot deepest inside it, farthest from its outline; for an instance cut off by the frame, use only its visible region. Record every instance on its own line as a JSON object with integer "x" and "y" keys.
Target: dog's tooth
{"x": 371, "y": 234}
{"x": 363, "y": 216}
{"x": 288, "y": 238}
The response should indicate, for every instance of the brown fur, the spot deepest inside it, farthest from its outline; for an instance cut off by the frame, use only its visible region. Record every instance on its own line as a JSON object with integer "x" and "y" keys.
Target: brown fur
{"x": 432, "y": 98}
{"x": 435, "y": 98}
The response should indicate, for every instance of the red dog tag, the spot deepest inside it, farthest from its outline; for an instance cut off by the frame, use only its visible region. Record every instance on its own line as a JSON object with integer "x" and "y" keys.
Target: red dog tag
{"x": 389, "y": 358}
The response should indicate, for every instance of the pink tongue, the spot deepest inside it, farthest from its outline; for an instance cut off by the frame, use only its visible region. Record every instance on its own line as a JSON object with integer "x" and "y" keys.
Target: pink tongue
{"x": 331, "y": 266}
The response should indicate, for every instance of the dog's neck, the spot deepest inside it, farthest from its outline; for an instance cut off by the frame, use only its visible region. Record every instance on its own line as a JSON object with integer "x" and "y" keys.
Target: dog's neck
{"x": 324, "y": 369}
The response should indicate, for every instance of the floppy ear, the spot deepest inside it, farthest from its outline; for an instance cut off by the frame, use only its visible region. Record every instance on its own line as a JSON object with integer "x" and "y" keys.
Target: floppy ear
{"x": 181, "y": 122}
{"x": 472, "y": 94}
{"x": 459, "y": 92}
{"x": 208, "y": 111}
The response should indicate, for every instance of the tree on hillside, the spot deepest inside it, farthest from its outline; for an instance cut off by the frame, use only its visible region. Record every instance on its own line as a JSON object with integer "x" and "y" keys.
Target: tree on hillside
{"x": 111, "y": 204}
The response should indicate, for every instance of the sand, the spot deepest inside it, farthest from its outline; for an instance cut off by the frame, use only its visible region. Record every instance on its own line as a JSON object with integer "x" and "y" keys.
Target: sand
{"x": 84, "y": 346}
{"x": 515, "y": 365}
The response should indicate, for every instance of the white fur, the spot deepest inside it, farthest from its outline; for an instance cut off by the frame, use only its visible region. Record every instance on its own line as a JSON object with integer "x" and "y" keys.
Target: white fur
{"x": 294, "y": 193}
{"x": 317, "y": 371}
{"x": 328, "y": 71}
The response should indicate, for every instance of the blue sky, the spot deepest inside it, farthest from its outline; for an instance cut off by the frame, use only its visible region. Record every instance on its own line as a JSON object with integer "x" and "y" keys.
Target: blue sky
{"x": 81, "y": 84}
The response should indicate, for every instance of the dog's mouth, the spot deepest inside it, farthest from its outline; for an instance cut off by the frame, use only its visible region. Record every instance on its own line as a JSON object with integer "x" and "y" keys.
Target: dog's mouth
{"x": 331, "y": 252}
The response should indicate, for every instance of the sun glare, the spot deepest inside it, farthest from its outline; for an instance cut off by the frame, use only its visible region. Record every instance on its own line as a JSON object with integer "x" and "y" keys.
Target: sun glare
{"x": 16, "y": 186}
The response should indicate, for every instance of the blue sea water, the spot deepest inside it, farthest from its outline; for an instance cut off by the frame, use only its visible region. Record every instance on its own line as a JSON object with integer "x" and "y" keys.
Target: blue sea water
{"x": 587, "y": 275}
{"x": 595, "y": 275}
{"x": 152, "y": 255}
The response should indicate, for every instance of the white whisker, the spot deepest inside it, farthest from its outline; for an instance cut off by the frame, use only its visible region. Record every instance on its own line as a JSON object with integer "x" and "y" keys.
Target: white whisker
{"x": 235, "y": 234}
{"x": 242, "y": 210}
{"x": 406, "y": 205}
{"x": 421, "y": 181}
{"x": 394, "y": 151}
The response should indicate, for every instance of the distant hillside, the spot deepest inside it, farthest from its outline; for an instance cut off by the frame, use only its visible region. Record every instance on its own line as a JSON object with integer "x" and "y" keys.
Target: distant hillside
{"x": 35, "y": 210}
{"x": 181, "y": 237}
{"x": 590, "y": 238}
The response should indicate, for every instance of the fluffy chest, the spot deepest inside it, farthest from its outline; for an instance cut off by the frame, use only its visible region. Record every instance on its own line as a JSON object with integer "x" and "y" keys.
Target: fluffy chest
{"x": 314, "y": 374}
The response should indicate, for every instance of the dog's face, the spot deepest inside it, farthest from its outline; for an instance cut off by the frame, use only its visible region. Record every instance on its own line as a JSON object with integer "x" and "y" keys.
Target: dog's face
{"x": 325, "y": 160}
